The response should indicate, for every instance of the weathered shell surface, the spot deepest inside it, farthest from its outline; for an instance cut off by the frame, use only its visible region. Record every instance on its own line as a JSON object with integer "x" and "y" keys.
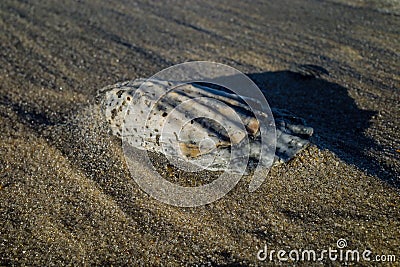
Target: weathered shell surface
{"x": 212, "y": 129}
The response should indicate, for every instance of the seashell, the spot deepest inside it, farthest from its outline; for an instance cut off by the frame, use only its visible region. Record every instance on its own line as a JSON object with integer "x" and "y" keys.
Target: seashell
{"x": 196, "y": 122}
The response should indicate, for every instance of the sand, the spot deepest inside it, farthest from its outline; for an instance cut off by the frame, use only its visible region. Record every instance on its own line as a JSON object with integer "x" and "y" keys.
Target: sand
{"x": 66, "y": 195}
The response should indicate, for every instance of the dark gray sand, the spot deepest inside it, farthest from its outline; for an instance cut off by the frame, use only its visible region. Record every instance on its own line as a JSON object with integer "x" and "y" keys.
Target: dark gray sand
{"x": 66, "y": 196}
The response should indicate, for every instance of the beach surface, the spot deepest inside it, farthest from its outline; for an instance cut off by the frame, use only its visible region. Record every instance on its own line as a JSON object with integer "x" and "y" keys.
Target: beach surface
{"x": 66, "y": 194}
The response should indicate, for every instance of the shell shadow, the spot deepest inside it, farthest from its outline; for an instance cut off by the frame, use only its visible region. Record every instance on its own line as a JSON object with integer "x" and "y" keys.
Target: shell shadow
{"x": 338, "y": 123}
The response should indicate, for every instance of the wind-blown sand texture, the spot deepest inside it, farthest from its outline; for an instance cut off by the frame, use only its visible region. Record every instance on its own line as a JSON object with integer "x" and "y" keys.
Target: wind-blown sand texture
{"x": 66, "y": 196}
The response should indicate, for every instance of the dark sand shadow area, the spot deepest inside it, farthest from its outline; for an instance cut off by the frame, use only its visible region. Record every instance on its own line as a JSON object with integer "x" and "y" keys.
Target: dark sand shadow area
{"x": 338, "y": 123}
